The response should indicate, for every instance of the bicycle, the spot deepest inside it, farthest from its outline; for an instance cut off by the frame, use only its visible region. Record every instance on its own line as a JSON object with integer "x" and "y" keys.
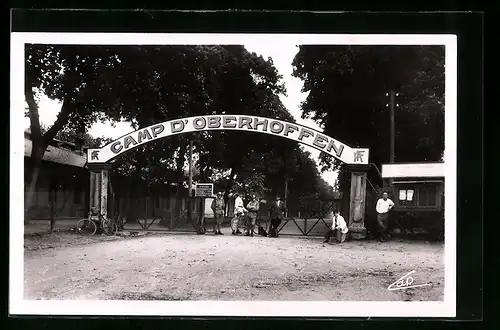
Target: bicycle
{"x": 96, "y": 221}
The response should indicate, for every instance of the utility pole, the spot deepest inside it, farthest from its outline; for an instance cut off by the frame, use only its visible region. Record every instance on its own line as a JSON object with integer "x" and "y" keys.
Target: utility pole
{"x": 286, "y": 196}
{"x": 286, "y": 189}
{"x": 392, "y": 103}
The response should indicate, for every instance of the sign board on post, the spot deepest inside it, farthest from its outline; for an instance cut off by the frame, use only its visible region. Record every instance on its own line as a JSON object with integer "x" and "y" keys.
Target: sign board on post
{"x": 204, "y": 190}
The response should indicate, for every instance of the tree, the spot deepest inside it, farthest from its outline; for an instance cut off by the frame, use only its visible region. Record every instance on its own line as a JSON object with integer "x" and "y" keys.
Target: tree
{"x": 79, "y": 77}
{"x": 68, "y": 135}
{"x": 215, "y": 80}
{"x": 94, "y": 83}
{"x": 347, "y": 88}
{"x": 149, "y": 84}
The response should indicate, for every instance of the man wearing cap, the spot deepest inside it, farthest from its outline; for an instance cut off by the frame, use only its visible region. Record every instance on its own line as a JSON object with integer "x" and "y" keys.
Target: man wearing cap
{"x": 218, "y": 207}
{"x": 239, "y": 211}
{"x": 253, "y": 208}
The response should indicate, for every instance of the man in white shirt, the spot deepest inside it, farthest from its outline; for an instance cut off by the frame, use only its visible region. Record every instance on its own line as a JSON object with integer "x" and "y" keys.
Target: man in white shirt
{"x": 340, "y": 226}
{"x": 239, "y": 211}
{"x": 384, "y": 205}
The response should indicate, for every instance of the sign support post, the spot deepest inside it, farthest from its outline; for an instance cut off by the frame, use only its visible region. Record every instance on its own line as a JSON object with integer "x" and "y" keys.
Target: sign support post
{"x": 357, "y": 205}
{"x": 99, "y": 178}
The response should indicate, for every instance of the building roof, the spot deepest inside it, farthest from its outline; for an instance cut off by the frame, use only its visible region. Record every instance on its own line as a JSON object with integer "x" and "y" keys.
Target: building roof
{"x": 57, "y": 154}
{"x": 413, "y": 170}
{"x": 55, "y": 141}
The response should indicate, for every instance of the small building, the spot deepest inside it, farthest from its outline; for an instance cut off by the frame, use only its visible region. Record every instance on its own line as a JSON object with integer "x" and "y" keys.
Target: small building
{"x": 62, "y": 189}
{"x": 418, "y": 195}
{"x": 62, "y": 177}
{"x": 416, "y": 187}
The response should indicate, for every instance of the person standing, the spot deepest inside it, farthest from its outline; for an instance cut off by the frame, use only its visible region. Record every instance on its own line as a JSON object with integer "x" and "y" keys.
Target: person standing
{"x": 276, "y": 210}
{"x": 262, "y": 216}
{"x": 339, "y": 226}
{"x": 253, "y": 208}
{"x": 218, "y": 208}
{"x": 384, "y": 205}
{"x": 239, "y": 211}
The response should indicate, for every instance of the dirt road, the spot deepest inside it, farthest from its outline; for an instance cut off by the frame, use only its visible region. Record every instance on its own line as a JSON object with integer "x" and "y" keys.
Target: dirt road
{"x": 208, "y": 267}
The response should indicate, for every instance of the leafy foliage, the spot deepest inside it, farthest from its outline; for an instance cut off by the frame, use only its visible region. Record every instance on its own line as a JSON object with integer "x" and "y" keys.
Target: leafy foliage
{"x": 347, "y": 88}
{"x": 87, "y": 140}
{"x": 148, "y": 84}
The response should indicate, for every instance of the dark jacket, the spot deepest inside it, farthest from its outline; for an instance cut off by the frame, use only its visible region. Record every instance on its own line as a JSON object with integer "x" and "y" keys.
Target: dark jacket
{"x": 253, "y": 207}
{"x": 276, "y": 211}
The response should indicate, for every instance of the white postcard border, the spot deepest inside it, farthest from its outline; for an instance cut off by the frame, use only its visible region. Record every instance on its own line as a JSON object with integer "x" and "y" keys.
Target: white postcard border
{"x": 18, "y": 305}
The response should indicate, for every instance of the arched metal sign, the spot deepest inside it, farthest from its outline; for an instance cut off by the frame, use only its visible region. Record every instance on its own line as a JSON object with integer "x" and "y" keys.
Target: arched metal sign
{"x": 292, "y": 131}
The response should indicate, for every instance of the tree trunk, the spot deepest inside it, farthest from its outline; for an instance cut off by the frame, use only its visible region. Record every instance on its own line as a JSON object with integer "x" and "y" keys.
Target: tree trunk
{"x": 67, "y": 193}
{"x": 39, "y": 142}
{"x": 52, "y": 215}
{"x": 201, "y": 215}
{"x": 180, "y": 177}
{"x": 180, "y": 164}
{"x": 31, "y": 188}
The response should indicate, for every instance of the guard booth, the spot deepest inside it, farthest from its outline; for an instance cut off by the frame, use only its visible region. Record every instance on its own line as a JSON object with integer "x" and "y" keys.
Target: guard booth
{"x": 418, "y": 194}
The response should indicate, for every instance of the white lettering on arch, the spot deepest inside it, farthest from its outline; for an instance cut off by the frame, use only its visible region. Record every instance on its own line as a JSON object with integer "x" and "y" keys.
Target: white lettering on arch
{"x": 270, "y": 126}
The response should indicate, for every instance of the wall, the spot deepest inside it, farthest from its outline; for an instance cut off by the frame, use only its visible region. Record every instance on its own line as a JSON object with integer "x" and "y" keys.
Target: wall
{"x": 68, "y": 184}
{"x": 57, "y": 155}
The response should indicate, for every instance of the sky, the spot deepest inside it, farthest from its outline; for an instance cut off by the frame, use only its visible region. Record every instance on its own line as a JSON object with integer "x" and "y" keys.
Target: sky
{"x": 282, "y": 55}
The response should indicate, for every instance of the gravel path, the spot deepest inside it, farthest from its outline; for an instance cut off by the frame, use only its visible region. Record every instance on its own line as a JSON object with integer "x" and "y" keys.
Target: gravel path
{"x": 208, "y": 267}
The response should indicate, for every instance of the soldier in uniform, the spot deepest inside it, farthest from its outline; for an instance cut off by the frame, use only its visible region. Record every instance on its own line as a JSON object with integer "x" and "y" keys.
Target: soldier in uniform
{"x": 253, "y": 208}
{"x": 218, "y": 207}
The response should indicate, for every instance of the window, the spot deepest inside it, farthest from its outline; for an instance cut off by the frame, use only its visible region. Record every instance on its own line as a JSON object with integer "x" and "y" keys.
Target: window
{"x": 427, "y": 196}
{"x": 406, "y": 197}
